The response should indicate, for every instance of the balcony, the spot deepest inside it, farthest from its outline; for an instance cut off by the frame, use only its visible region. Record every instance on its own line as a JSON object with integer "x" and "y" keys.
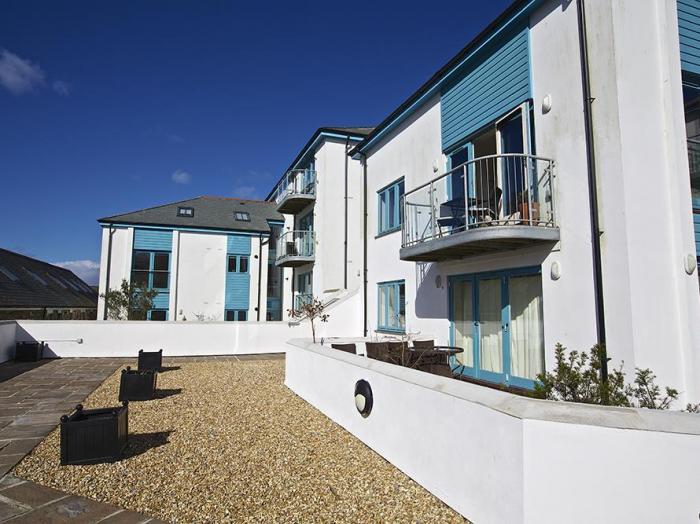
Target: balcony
{"x": 296, "y": 191}
{"x": 487, "y": 205}
{"x": 295, "y": 248}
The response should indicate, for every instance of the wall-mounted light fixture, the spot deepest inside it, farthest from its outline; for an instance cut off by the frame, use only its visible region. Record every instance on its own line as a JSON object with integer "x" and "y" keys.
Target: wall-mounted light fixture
{"x": 555, "y": 271}
{"x": 546, "y": 104}
{"x": 363, "y": 397}
{"x": 691, "y": 264}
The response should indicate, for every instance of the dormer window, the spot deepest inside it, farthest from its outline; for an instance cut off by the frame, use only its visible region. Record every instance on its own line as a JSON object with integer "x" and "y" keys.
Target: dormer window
{"x": 185, "y": 212}
{"x": 242, "y": 216}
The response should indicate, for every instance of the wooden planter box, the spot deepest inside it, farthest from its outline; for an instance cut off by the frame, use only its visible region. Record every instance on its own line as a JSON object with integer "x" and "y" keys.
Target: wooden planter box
{"x": 137, "y": 385}
{"x": 150, "y": 360}
{"x": 29, "y": 351}
{"x": 91, "y": 436}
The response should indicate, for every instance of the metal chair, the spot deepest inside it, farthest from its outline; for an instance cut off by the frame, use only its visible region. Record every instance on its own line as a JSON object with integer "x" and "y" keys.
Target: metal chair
{"x": 378, "y": 351}
{"x": 348, "y": 348}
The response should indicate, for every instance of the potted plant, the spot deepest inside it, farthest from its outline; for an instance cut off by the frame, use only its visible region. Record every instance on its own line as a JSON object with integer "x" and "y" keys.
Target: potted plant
{"x": 137, "y": 385}
{"x": 150, "y": 360}
{"x": 91, "y": 436}
{"x": 29, "y": 351}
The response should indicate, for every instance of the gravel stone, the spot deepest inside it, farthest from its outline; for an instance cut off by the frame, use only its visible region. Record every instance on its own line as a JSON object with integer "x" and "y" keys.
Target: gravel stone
{"x": 235, "y": 445}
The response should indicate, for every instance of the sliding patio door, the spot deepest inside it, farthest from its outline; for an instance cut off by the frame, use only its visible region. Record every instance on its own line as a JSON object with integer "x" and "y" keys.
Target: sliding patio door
{"x": 497, "y": 319}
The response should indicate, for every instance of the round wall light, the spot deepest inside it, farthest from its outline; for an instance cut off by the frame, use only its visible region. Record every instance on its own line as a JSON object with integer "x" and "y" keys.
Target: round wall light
{"x": 363, "y": 397}
{"x": 555, "y": 271}
{"x": 546, "y": 104}
{"x": 691, "y": 264}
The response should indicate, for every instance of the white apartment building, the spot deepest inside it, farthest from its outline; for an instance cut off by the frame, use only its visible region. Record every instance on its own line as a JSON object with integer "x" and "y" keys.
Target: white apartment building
{"x": 207, "y": 257}
{"x": 537, "y": 190}
{"x": 319, "y": 252}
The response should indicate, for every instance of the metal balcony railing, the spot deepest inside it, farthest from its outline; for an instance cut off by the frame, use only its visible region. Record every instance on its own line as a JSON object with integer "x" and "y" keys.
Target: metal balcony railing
{"x": 498, "y": 190}
{"x": 296, "y": 182}
{"x": 296, "y": 244}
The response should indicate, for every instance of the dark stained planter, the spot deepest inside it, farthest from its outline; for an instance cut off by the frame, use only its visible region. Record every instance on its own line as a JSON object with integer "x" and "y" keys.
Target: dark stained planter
{"x": 150, "y": 360}
{"x": 29, "y": 351}
{"x": 137, "y": 385}
{"x": 91, "y": 436}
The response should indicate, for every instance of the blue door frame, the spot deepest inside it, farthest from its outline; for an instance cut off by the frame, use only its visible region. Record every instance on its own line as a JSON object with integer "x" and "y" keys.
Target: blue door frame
{"x": 505, "y": 377}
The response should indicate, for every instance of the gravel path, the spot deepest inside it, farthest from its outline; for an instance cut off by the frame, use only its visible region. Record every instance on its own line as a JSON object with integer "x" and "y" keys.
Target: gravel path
{"x": 236, "y": 445}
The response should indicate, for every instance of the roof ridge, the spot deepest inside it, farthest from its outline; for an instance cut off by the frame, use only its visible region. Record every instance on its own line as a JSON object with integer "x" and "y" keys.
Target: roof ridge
{"x": 236, "y": 198}
{"x": 42, "y": 262}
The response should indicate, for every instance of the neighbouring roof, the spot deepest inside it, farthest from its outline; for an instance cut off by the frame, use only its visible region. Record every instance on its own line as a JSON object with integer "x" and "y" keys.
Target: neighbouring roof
{"x": 514, "y": 11}
{"x": 210, "y": 212}
{"x": 30, "y": 283}
{"x": 354, "y": 133}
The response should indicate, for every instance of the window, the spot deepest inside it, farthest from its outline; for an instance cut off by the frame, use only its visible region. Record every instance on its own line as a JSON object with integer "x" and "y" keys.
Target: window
{"x": 389, "y": 208}
{"x": 237, "y": 264}
{"x": 242, "y": 216}
{"x": 8, "y": 274}
{"x": 185, "y": 211}
{"x": 497, "y": 319}
{"x": 36, "y": 277}
{"x": 391, "y": 314}
{"x": 158, "y": 314}
{"x": 151, "y": 269}
{"x": 239, "y": 315}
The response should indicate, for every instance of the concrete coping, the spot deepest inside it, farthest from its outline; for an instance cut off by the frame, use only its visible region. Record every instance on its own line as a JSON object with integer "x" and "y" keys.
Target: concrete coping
{"x": 514, "y": 405}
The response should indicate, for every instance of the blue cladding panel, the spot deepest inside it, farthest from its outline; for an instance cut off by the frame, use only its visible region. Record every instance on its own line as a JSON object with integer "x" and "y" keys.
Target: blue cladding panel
{"x": 696, "y": 221}
{"x": 238, "y": 245}
{"x": 162, "y": 301}
{"x": 237, "y": 290}
{"x": 496, "y": 81}
{"x": 689, "y": 34}
{"x": 153, "y": 239}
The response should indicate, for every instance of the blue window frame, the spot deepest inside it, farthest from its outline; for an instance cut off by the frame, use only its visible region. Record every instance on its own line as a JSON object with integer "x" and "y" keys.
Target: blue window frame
{"x": 152, "y": 269}
{"x": 390, "y": 213}
{"x": 238, "y": 263}
{"x": 391, "y": 306}
{"x": 496, "y": 317}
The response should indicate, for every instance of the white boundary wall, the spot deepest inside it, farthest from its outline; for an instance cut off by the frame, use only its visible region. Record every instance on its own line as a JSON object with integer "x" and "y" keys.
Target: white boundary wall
{"x": 124, "y": 339}
{"x": 497, "y": 457}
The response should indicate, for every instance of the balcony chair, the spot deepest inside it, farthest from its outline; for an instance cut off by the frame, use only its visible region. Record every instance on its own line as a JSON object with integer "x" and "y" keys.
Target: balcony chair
{"x": 452, "y": 215}
{"x": 348, "y": 348}
{"x": 398, "y": 353}
{"x": 378, "y": 351}
{"x": 485, "y": 210}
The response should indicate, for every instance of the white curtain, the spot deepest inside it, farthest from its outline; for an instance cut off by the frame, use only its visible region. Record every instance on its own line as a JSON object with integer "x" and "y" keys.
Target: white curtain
{"x": 464, "y": 322}
{"x": 526, "y": 335}
{"x": 382, "y": 307}
{"x": 491, "y": 341}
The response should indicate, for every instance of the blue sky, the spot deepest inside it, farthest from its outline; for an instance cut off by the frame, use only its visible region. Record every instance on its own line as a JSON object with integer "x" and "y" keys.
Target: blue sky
{"x": 110, "y": 106}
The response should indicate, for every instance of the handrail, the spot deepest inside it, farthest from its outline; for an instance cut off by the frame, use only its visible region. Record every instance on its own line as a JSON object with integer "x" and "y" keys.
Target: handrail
{"x": 474, "y": 161}
{"x": 296, "y": 243}
{"x": 288, "y": 185}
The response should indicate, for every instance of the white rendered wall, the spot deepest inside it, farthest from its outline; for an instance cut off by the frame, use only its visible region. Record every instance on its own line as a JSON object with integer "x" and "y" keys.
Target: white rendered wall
{"x": 495, "y": 457}
{"x": 201, "y": 276}
{"x": 123, "y": 339}
{"x": 7, "y": 339}
{"x": 652, "y": 305}
{"x": 119, "y": 263}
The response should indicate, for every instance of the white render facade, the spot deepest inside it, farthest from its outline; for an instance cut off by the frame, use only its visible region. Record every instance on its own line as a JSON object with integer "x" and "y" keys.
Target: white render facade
{"x": 648, "y": 258}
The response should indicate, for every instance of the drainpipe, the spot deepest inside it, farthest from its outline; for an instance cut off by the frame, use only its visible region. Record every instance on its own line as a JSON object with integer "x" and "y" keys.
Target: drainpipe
{"x": 364, "y": 241}
{"x": 260, "y": 246}
{"x": 592, "y": 190}
{"x": 109, "y": 268}
{"x": 345, "y": 244}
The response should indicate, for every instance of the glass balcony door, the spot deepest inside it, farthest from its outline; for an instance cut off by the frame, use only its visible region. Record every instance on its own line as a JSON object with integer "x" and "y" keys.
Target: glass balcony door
{"x": 497, "y": 319}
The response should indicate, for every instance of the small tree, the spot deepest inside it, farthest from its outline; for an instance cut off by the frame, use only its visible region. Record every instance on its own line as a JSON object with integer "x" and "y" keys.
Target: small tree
{"x": 313, "y": 310}
{"x": 131, "y": 301}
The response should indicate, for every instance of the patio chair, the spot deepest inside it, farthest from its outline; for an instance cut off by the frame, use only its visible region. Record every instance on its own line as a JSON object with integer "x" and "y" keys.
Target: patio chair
{"x": 378, "y": 351}
{"x": 398, "y": 352}
{"x": 452, "y": 215}
{"x": 489, "y": 208}
{"x": 348, "y": 348}
{"x": 424, "y": 344}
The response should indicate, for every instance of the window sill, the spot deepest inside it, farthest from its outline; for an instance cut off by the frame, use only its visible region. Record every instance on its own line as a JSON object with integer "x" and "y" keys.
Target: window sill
{"x": 388, "y": 232}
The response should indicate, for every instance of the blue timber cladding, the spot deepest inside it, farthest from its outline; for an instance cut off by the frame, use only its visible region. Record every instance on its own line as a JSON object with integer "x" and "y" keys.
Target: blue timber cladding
{"x": 495, "y": 81}
{"x": 238, "y": 245}
{"x": 237, "y": 284}
{"x": 689, "y": 34}
{"x": 696, "y": 223}
{"x": 153, "y": 239}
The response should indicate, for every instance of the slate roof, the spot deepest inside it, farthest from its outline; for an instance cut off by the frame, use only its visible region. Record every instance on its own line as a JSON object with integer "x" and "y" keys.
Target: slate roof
{"x": 210, "y": 212}
{"x": 29, "y": 283}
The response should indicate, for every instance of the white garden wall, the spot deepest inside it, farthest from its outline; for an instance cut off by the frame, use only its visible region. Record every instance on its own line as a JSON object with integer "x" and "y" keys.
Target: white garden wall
{"x": 121, "y": 339}
{"x": 497, "y": 457}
